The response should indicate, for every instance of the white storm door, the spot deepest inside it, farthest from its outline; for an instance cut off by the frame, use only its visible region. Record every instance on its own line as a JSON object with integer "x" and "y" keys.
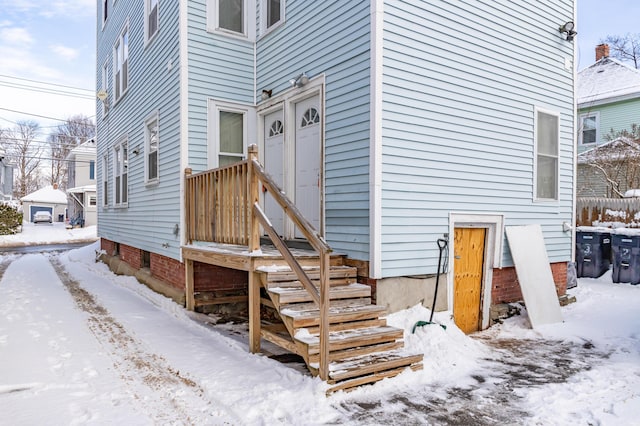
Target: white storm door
{"x": 274, "y": 165}
{"x": 307, "y": 161}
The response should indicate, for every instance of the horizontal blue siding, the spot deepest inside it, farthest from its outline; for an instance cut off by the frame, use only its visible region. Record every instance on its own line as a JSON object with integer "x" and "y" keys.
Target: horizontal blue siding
{"x": 153, "y": 212}
{"x": 458, "y": 121}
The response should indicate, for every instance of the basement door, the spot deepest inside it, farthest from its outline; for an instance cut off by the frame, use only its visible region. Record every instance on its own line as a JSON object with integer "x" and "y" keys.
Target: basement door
{"x": 469, "y": 248}
{"x": 307, "y": 161}
{"x": 274, "y": 165}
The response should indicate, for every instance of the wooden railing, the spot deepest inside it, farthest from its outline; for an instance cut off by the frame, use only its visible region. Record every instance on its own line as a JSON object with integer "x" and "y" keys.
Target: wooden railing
{"x": 223, "y": 206}
{"x": 217, "y": 205}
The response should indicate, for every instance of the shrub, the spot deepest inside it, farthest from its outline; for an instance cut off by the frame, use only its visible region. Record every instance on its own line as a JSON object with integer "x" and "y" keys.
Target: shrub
{"x": 10, "y": 220}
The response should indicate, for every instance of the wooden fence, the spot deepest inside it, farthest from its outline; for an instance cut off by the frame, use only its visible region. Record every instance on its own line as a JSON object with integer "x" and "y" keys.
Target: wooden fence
{"x": 604, "y": 211}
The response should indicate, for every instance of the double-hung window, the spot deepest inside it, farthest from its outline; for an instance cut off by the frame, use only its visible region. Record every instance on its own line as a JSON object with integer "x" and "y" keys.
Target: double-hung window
{"x": 151, "y": 22}
{"x": 105, "y": 180}
{"x": 229, "y": 127}
{"x": 547, "y": 125}
{"x": 271, "y": 14}
{"x": 92, "y": 170}
{"x": 105, "y": 11}
{"x": 152, "y": 144}
{"x": 121, "y": 63}
{"x": 589, "y": 126}
{"x": 231, "y": 17}
{"x": 120, "y": 187}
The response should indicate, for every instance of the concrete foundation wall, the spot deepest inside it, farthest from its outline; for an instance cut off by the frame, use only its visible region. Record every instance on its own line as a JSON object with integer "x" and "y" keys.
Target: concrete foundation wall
{"x": 403, "y": 292}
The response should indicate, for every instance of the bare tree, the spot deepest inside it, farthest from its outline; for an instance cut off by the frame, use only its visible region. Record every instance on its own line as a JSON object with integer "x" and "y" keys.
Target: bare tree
{"x": 618, "y": 161}
{"x": 625, "y": 48}
{"x": 25, "y": 152}
{"x": 73, "y": 132}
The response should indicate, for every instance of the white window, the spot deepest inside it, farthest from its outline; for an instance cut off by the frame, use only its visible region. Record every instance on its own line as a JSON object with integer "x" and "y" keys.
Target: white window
{"x": 120, "y": 172}
{"x": 105, "y": 180}
{"x": 547, "y": 125}
{"x": 152, "y": 143}
{"x": 231, "y": 17}
{"x": 229, "y": 128}
{"x": 271, "y": 14}
{"x": 121, "y": 64}
{"x": 92, "y": 200}
{"x": 589, "y": 129}
{"x": 152, "y": 19}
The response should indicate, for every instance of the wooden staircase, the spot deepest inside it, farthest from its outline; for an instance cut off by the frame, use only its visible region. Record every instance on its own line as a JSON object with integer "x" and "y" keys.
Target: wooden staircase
{"x": 362, "y": 347}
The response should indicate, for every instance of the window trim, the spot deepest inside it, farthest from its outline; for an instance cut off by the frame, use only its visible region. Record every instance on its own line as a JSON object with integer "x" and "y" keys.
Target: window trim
{"x": 249, "y": 25}
{"x": 147, "y": 15}
{"x": 105, "y": 84}
{"x": 153, "y": 117}
{"x": 121, "y": 145}
{"x": 264, "y": 26}
{"x": 581, "y": 119}
{"x": 538, "y": 111}
{"x": 125, "y": 65}
{"x": 105, "y": 179}
{"x": 213, "y": 125}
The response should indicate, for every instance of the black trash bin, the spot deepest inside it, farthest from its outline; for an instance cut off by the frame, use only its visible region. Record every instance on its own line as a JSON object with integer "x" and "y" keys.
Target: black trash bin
{"x": 626, "y": 258}
{"x": 60, "y": 218}
{"x": 593, "y": 253}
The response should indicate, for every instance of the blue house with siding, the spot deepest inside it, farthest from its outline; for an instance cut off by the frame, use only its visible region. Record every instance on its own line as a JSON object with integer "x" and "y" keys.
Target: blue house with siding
{"x": 387, "y": 125}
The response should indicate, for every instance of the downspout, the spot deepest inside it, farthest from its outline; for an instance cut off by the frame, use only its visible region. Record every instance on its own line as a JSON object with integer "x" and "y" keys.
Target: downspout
{"x": 575, "y": 147}
{"x": 183, "y": 29}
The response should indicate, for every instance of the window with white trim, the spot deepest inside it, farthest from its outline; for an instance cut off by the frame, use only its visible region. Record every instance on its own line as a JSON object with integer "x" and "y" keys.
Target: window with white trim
{"x": 271, "y": 14}
{"x": 121, "y": 64}
{"x": 152, "y": 143}
{"x": 105, "y": 11}
{"x": 105, "y": 180}
{"x": 547, "y": 148}
{"x": 589, "y": 128}
{"x": 231, "y": 17}
{"x": 229, "y": 128}
{"x": 92, "y": 200}
{"x": 152, "y": 19}
{"x": 120, "y": 172}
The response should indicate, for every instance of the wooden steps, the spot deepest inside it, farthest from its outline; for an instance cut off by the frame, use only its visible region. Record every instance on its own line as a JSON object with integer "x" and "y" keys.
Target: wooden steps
{"x": 362, "y": 347}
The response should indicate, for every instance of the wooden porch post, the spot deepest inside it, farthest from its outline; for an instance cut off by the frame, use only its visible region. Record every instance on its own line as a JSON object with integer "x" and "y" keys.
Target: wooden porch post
{"x": 324, "y": 315}
{"x": 254, "y": 245}
{"x": 189, "y": 288}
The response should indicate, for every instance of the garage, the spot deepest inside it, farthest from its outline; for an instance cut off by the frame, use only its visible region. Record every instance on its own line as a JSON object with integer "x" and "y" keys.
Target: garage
{"x": 49, "y": 199}
{"x": 34, "y": 209}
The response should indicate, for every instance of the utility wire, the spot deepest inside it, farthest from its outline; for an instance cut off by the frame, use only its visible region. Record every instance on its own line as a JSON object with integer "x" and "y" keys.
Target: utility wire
{"x": 36, "y": 115}
{"x": 45, "y": 90}
{"x": 49, "y": 84}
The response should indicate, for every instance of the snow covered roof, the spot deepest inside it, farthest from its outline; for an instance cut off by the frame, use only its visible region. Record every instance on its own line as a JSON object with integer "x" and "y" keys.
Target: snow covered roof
{"x": 82, "y": 189}
{"x": 88, "y": 147}
{"x": 611, "y": 151}
{"x": 46, "y": 195}
{"x": 608, "y": 80}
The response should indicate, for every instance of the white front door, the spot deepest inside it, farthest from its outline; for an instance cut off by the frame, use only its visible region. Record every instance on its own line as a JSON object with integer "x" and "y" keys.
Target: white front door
{"x": 307, "y": 160}
{"x": 274, "y": 165}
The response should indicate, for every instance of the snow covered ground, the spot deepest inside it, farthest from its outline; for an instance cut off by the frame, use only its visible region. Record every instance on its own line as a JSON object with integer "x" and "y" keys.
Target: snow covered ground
{"x": 47, "y": 233}
{"x": 79, "y": 345}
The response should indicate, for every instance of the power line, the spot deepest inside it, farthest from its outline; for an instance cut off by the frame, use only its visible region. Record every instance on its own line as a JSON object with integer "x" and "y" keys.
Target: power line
{"x": 45, "y": 90}
{"x": 36, "y": 115}
{"x": 44, "y": 82}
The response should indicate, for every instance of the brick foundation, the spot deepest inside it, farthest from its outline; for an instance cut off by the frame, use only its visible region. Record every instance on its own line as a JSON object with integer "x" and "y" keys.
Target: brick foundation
{"x": 218, "y": 279}
{"x": 108, "y": 246}
{"x": 169, "y": 270}
{"x": 131, "y": 255}
{"x": 506, "y": 287}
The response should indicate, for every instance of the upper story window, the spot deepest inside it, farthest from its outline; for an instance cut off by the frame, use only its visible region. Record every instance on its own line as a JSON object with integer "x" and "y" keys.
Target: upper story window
{"x": 547, "y": 148}
{"x": 105, "y": 180}
{"x": 152, "y": 19}
{"x": 271, "y": 14}
{"x": 152, "y": 143}
{"x": 121, "y": 166}
{"x": 92, "y": 170}
{"x": 121, "y": 64}
{"x": 105, "y": 11}
{"x": 231, "y": 17}
{"x": 589, "y": 129}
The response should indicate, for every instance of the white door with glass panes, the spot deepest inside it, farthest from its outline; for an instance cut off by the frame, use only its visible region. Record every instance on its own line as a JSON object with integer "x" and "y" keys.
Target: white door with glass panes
{"x": 274, "y": 165}
{"x": 307, "y": 160}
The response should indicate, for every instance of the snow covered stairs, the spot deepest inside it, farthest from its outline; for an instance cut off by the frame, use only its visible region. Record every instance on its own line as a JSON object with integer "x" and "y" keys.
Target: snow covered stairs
{"x": 362, "y": 347}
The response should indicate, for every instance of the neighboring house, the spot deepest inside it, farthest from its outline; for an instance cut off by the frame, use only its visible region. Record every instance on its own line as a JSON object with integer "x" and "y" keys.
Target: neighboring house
{"x": 608, "y": 99}
{"x": 6, "y": 177}
{"x": 49, "y": 198}
{"x": 81, "y": 172}
{"x": 388, "y": 124}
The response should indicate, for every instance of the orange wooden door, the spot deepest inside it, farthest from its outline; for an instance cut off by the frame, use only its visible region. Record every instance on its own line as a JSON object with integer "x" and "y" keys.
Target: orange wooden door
{"x": 467, "y": 277}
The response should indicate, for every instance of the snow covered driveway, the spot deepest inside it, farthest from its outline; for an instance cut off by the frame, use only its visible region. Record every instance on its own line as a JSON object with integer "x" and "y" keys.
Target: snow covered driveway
{"x": 79, "y": 345}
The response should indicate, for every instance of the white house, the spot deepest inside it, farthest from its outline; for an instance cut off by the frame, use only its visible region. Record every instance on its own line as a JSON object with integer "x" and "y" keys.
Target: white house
{"x": 81, "y": 185}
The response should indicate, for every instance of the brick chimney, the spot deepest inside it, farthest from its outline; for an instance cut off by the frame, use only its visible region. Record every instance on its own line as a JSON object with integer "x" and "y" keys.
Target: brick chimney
{"x": 55, "y": 186}
{"x": 602, "y": 51}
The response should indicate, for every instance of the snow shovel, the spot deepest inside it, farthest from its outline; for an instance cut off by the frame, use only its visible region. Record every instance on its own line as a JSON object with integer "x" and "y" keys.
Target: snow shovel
{"x": 442, "y": 245}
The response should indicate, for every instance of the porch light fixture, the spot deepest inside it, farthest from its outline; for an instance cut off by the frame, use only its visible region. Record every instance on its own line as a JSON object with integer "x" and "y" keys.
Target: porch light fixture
{"x": 266, "y": 94}
{"x": 299, "y": 81}
{"x": 569, "y": 30}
